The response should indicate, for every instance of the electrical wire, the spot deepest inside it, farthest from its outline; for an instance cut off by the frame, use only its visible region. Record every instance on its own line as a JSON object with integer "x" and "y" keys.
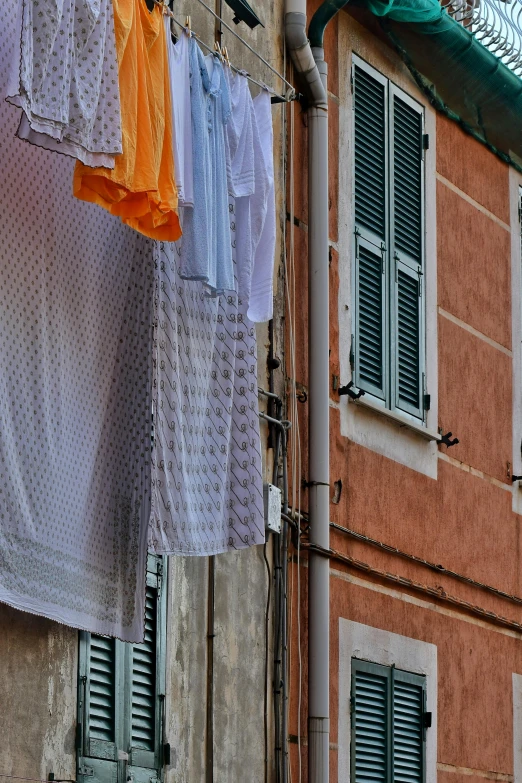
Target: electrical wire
{"x": 291, "y": 301}
{"x": 34, "y": 780}
{"x": 432, "y": 566}
{"x": 267, "y": 620}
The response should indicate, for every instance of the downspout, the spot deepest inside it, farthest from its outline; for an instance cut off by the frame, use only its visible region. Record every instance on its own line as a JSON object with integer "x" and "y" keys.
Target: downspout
{"x": 312, "y": 70}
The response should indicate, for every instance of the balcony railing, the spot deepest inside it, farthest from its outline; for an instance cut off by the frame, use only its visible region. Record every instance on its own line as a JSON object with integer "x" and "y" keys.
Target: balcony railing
{"x": 495, "y": 23}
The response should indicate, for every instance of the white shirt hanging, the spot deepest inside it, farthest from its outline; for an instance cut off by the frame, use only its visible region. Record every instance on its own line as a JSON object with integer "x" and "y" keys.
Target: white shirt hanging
{"x": 260, "y": 306}
{"x": 179, "y": 68}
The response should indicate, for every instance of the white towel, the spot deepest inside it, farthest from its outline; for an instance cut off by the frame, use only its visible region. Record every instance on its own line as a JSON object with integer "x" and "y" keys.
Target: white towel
{"x": 262, "y": 207}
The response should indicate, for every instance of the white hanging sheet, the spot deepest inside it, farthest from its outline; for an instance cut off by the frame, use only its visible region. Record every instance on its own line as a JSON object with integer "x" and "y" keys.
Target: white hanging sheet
{"x": 76, "y": 306}
{"x": 207, "y": 470}
{"x": 64, "y": 75}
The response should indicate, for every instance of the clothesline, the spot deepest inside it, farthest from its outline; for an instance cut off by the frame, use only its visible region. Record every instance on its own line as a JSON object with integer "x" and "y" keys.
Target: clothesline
{"x": 291, "y": 93}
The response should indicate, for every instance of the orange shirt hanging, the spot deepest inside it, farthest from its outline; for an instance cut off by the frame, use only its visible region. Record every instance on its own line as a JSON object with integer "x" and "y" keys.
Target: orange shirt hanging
{"x": 141, "y": 188}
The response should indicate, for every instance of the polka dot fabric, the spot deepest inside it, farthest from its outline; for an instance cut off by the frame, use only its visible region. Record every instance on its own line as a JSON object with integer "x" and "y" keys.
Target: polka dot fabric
{"x": 76, "y": 317}
{"x": 64, "y": 75}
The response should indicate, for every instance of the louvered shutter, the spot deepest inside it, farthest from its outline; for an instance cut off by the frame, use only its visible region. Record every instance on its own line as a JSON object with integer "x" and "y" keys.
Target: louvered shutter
{"x": 408, "y": 728}
{"x": 146, "y": 663}
{"x": 102, "y": 684}
{"x": 143, "y": 704}
{"x": 407, "y": 248}
{"x": 387, "y": 717}
{"x": 120, "y": 697}
{"x": 100, "y": 708}
{"x": 370, "y": 207}
{"x": 370, "y": 754}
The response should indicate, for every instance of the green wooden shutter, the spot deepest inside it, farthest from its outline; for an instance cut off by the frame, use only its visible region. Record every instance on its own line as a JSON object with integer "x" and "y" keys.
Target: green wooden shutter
{"x": 370, "y": 208}
{"x": 100, "y": 708}
{"x": 144, "y": 680}
{"x": 387, "y": 721}
{"x": 121, "y": 697}
{"x": 407, "y": 246}
{"x": 370, "y": 755}
{"x": 370, "y": 142}
{"x": 102, "y": 684}
{"x": 146, "y": 672}
{"x": 408, "y": 728}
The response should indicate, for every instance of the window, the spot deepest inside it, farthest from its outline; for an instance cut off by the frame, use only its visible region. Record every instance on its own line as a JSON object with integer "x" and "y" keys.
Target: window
{"x": 121, "y": 697}
{"x": 387, "y": 354}
{"x": 388, "y": 724}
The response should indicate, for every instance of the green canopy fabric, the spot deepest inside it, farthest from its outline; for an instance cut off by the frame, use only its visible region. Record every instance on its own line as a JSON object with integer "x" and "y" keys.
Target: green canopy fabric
{"x": 458, "y": 73}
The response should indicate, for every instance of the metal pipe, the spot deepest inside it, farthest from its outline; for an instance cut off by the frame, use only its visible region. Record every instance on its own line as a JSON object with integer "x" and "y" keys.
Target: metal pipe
{"x": 324, "y": 14}
{"x": 209, "y": 772}
{"x": 312, "y": 69}
{"x": 319, "y": 438}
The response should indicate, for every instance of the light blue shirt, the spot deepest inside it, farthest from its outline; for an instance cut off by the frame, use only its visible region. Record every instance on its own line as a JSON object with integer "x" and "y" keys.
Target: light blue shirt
{"x": 206, "y": 251}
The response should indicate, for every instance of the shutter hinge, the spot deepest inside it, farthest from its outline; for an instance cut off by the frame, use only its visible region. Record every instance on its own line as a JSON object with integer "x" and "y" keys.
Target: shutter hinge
{"x": 426, "y": 141}
{"x": 426, "y": 719}
{"x": 159, "y": 572}
{"x": 352, "y": 353}
{"x": 86, "y": 771}
{"x": 166, "y": 753}
{"x": 427, "y": 402}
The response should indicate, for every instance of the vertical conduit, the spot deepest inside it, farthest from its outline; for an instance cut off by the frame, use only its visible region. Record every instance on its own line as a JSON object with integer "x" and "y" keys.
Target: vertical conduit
{"x": 209, "y": 766}
{"x": 312, "y": 69}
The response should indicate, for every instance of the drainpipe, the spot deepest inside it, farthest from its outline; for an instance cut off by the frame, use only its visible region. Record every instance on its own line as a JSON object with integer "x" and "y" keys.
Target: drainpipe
{"x": 312, "y": 68}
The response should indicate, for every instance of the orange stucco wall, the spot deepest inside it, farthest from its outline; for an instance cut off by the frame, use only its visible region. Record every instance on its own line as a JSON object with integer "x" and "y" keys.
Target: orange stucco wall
{"x": 463, "y": 519}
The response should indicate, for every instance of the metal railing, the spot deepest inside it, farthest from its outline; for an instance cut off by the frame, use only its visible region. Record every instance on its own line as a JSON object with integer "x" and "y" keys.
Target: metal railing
{"x": 497, "y": 24}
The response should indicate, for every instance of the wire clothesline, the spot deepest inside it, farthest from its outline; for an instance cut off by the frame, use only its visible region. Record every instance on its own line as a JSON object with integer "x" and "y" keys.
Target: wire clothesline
{"x": 239, "y": 38}
{"x": 291, "y": 93}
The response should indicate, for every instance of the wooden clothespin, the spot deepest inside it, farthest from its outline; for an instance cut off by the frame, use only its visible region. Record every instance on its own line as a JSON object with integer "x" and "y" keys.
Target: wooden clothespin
{"x": 225, "y": 56}
{"x": 188, "y": 24}
{"x": 217, "y": 49}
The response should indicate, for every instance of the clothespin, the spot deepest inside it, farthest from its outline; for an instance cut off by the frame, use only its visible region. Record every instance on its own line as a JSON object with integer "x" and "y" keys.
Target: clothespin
{"x": 225, "y": 55}
{"x": 217, "y": 49}
{"x": 188, "y": 24}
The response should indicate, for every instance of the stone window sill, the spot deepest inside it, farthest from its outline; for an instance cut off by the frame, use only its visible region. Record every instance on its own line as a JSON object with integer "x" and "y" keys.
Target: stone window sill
{"x": 399, "y": 418}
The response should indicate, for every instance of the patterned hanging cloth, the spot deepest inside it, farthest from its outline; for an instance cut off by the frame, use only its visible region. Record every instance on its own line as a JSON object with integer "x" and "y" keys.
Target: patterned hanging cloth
{"x": 76, "y": 307}
{"x": 207, "y": 470}
{"x": 64, "y": 75}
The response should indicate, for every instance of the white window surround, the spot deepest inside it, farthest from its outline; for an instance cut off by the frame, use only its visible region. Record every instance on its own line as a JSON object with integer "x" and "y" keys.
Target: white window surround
{"x": 515, "y": 185}
{"x": 367, "y": 422}
{"x": 388, "y": 649}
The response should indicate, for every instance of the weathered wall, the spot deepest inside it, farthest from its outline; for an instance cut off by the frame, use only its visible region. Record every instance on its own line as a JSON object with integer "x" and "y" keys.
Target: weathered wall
{"x": 38, "y": 668}
{"x": 38, "y": 659}
{"x": 462, "y": 517}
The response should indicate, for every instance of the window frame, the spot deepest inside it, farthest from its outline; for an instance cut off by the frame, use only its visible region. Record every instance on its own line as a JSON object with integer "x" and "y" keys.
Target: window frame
{"x": 389, "y": 398}
{"x": 112, "y": 762}
{"x": 369, "y": 643}
{"x": 392, "y": 675}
